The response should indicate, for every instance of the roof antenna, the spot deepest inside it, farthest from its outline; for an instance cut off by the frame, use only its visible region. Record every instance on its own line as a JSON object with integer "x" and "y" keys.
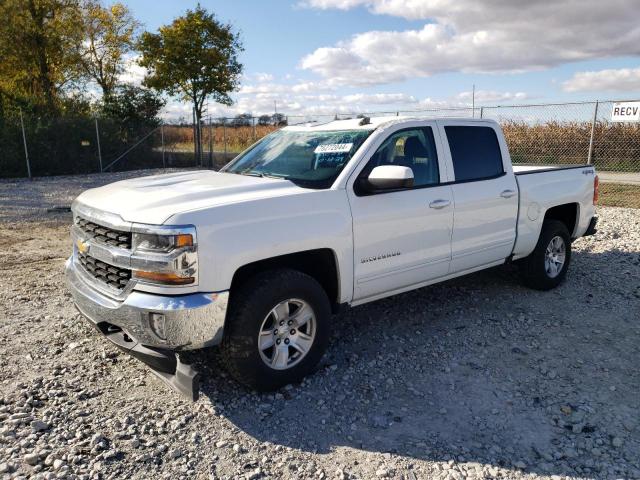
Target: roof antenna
{"x": 365, "y": 121}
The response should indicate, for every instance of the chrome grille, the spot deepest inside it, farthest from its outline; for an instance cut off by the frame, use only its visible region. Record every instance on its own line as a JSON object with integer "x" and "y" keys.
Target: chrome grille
{"x": 105, "y": 235}
{"x": 114, "y": 277}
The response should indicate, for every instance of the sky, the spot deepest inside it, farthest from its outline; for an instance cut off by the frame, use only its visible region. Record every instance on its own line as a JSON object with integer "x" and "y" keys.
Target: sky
{"x": 312, "y": 57}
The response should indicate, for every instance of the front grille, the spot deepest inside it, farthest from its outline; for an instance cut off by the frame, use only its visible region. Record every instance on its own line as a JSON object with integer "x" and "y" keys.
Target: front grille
{"x": 105, "y": 235}
{"x": 115, "y": 277}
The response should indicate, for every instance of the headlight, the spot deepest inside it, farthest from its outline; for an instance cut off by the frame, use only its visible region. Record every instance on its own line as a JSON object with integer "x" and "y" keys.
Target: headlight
{"x": 154, "y": 243}
{"x": 167, "y": 259}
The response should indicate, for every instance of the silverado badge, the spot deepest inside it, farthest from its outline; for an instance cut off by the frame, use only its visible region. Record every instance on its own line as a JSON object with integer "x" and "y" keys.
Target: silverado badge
{"x": 379, "y": 257}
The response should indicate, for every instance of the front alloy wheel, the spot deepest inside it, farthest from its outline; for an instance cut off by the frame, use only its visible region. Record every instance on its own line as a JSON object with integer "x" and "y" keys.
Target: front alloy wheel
{"x": 277, "y": 329}
{"x": 287, "y": 334}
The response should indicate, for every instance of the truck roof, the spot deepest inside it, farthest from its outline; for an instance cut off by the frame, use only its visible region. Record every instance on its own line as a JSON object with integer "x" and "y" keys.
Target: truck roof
{"x": 372, "y": 124}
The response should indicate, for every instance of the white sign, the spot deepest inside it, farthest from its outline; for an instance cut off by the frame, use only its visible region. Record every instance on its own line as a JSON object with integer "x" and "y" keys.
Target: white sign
{"x": 334, "y": 148}
{"x": 626, "y": 112}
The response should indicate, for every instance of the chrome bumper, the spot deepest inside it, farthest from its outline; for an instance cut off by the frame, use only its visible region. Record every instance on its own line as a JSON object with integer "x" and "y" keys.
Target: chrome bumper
{"x": 190, "y": 321}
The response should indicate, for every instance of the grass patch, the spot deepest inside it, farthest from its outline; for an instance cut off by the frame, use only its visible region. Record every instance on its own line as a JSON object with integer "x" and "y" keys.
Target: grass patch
{"x": 619, "y": 195}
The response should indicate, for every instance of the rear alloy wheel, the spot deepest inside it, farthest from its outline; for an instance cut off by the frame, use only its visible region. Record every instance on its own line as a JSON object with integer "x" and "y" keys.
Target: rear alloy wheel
{"x": 277, "y": 329}
{"x": 546, "y": 267}
{"x": 555, "y": 256}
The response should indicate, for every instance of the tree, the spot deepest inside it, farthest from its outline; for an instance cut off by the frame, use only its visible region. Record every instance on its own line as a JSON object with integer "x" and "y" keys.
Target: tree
{"x": 109, "y": 36}
{"x": 279, "y": 120}
{"x": 264, "y": 120}
{"x": 37, "y": 40}
{"x": 195, "y": 57}
{"x": 242, "y": 120}
{"x": 133, "y": 104}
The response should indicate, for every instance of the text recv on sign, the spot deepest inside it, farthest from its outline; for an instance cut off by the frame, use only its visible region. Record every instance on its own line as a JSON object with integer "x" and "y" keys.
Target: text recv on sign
{"x": 625, "y": 112}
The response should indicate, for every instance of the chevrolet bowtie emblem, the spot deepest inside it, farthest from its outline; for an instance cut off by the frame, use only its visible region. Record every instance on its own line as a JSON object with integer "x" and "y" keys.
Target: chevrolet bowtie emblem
{"x": 83, "y": 247}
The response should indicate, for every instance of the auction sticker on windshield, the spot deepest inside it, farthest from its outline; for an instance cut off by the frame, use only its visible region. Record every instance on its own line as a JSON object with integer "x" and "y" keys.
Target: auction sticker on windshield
{"x": 334, "y": 148}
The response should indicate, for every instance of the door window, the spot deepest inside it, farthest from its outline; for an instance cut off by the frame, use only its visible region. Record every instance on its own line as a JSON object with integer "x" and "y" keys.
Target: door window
{"x": 414, "y": 148}
{"x": 475, "y": 152}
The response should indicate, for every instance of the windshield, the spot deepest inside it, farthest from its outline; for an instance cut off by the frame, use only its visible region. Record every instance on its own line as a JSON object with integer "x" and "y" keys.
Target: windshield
{"x": 309, "y": 159}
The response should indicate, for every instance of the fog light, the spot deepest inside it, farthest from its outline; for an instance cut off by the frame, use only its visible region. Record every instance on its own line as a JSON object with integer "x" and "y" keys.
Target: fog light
{"x": 157, "y": 324}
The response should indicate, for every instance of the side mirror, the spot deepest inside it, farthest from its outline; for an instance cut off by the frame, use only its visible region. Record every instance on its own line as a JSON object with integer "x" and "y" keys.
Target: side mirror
{"x": 390, "y": 177}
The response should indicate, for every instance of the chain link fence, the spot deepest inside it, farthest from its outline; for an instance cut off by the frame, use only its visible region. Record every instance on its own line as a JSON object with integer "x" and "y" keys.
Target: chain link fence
{"x": 544, "y": 134}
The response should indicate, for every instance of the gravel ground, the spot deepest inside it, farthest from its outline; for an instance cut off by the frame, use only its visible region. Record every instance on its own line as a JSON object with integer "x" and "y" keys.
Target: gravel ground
{"x": 473, "y": 378}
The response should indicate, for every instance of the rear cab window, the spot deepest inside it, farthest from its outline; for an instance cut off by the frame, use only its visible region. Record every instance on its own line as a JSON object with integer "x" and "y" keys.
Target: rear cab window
{"x": 475, "y": 152}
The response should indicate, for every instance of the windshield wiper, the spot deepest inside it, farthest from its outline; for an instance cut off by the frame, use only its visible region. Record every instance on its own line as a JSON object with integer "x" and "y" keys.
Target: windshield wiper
{"x": 253, "y": 173}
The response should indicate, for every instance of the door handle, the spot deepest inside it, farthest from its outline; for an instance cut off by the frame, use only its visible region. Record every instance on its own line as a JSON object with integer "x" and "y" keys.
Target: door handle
{"x": 508, "y": 193}
{"x": 438, "y": 204}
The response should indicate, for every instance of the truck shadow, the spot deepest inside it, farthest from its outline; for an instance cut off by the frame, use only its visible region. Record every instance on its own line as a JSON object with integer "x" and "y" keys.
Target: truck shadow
{"x": 477, "y": 369}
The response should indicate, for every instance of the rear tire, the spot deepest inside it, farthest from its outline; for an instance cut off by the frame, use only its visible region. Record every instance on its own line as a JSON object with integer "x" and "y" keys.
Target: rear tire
{"x": 546, "y": 267}
{"x": 283, "y": 306}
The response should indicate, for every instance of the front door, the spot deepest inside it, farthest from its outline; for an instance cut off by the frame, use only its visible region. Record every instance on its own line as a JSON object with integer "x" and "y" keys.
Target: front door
{"x": 402, "y": 237}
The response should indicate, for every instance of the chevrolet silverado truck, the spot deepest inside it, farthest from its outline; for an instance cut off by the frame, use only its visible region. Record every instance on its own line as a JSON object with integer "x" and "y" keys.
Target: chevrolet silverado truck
{"x": 257, "y": 257}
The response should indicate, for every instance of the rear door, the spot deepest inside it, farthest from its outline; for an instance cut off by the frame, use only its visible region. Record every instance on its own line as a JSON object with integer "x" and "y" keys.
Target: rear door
{"x": 485, "y": 193}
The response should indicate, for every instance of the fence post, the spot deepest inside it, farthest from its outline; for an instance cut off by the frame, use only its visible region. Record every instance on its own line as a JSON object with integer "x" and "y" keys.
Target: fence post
{"x": 98, "y": 144}
{"x": 481, "y": 112}
{"x": 224, "y": 136}
{"x": 24, "y": 140}
{"x": 593, "y": 131}
{"x": 210, "y": 144}
{"x": 253, "y": 119}
{"x": 200, "y": 142}
{"x": 164, "y": 165}
{"x": 195, "y": 136}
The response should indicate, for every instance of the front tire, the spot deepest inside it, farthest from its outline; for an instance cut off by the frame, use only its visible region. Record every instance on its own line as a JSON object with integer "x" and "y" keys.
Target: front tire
{"x": 546, "y": 267}
{"x": 277, "y": 329}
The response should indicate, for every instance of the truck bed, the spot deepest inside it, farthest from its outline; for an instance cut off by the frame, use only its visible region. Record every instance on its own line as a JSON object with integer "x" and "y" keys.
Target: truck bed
{"x": 552, "y": 185}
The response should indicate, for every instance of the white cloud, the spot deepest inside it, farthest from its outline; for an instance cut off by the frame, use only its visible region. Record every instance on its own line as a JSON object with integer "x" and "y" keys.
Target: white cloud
{"x": 379, "y": 98}
{"x": 263, "y": 77}
{"x": 491, "y": 96}
{"x": 260, "y": 100}
{"x": 473, "y": 36}
{"x": 272, "y": 87}
{"x": 133, "y": 73}
{"x": 620, "y": 80}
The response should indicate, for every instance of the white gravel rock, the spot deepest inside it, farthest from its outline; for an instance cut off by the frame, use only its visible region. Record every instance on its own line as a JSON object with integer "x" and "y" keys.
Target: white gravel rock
{"x": 474, "y": 378}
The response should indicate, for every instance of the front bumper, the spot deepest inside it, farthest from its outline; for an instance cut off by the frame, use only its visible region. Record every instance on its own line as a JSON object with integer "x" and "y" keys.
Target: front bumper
{"x": 190, "y": 321}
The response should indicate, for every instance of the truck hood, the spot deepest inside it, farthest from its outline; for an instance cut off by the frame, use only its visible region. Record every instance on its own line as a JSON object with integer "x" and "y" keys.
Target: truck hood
{"x": 154, "y": 199}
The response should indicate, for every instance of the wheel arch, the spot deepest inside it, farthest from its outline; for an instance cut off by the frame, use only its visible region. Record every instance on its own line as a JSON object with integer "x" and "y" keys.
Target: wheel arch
{"x": 320, "y": 264}
{"x": 567, "y": 213}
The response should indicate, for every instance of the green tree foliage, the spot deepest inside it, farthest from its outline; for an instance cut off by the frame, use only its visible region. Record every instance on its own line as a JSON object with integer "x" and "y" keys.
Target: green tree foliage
{"x": 195, "y": 57}
{"x": 37, "y": 40}
{"x": 109, "y": 35}
{"x": 133, "y": 105}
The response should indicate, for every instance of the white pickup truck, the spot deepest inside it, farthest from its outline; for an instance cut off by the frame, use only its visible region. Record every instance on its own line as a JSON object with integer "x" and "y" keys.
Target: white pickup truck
{"x": 256, "y": 258}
